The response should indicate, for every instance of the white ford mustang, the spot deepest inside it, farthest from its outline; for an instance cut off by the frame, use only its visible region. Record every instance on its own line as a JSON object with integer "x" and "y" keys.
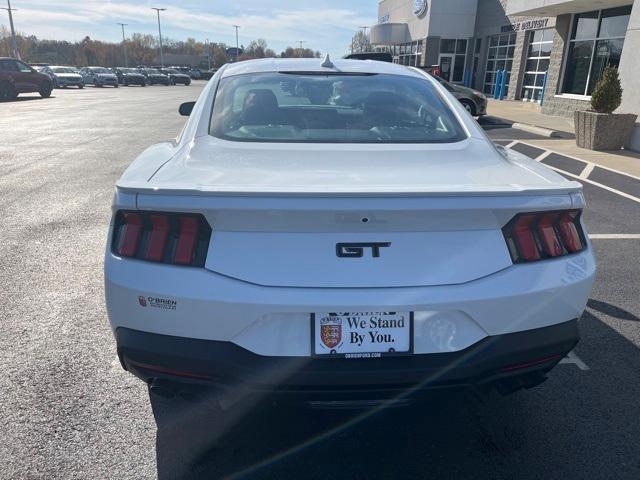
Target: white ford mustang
{"x": 342, "y": 227}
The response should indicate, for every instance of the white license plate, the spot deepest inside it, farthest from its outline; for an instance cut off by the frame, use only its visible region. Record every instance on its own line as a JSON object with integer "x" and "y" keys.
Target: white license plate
{"x": 361, "y": 334}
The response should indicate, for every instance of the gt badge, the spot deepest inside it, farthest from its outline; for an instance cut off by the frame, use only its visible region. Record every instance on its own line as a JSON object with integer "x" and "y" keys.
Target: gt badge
{"x": 331, "y": 331}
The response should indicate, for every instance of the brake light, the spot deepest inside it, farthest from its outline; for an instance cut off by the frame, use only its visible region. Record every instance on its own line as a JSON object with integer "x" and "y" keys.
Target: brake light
{"x": 540, "y": 235}
{"x": 128, "y": 237}
{"x": 173, "y": 238}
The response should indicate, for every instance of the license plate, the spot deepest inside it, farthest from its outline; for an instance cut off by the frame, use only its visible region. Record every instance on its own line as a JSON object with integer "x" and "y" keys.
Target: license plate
{"x": 361, "y": 334}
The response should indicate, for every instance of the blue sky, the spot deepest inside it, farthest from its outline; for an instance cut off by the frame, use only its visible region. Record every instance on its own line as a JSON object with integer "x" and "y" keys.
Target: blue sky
{"x": 325, "y": 25}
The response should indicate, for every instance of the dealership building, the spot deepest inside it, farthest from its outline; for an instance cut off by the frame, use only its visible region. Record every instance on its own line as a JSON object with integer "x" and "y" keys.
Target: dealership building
{"x": 552, "y": 51}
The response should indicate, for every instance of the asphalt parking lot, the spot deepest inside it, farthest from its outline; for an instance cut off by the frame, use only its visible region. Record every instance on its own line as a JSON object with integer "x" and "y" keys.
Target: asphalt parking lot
{"x": 70, "y": 411}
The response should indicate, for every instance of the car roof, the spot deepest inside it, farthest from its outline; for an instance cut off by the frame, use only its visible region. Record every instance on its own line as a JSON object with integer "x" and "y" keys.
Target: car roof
{"x": 315, "y": 65}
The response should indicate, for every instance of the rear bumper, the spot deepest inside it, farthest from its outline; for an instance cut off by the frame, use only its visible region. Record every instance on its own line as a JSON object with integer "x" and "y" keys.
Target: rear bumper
{"x": 495, "y": 359}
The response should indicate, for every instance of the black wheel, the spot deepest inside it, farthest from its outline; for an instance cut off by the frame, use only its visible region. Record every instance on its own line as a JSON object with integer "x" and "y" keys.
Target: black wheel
{"x": 143, "y": 84}
{"x": 469, "y": 106}
{"x": 45, "y": 90}
{"x": 187, "y": 83}
{"x": 125, "y": 83}
{"x": 172, "y": 82}
{"x": 80, "y": 86}
{"x": 116, "y": 85}
{"x": 7, "y": 92}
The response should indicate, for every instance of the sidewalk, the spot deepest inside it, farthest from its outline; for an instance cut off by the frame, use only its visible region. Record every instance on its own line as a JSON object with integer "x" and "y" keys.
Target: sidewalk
{"x": 625, "y": 161}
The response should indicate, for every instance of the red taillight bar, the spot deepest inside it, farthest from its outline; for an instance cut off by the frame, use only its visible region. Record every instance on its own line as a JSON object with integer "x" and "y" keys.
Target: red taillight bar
{"x": 174, "y": 238}
{"x": 128, "y": 237}
{"x": 540, "y": 235}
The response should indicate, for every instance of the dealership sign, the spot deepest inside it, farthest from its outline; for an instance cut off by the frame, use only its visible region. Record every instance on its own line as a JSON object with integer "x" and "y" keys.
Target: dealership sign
{"x": 528, "y": 25}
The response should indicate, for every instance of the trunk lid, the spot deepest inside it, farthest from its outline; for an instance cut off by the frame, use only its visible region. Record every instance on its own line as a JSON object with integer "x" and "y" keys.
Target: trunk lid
{"x": 470, "y": 166}
{"x": 361, "y": 217}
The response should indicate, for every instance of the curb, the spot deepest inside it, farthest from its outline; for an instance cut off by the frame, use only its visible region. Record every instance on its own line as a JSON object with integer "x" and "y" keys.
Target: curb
{"x": 545, "y": 132}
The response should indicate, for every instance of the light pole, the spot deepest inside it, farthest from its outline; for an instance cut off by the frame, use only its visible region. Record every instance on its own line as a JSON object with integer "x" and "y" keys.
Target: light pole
{"x": 124, "y": 44}
{"x": 14, "y": 43}
{"x": 158, "y": 10}
{"x": 208, "y": 44}
{"x": 237, "y": 44}
{"x": 301, "y": 42}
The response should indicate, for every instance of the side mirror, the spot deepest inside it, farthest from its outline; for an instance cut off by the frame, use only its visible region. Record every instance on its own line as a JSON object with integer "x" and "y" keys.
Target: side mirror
{"x": 186, "y": 108}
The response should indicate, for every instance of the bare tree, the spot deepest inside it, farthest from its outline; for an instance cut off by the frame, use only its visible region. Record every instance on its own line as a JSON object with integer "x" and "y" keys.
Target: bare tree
{"x": 360, "y": 43}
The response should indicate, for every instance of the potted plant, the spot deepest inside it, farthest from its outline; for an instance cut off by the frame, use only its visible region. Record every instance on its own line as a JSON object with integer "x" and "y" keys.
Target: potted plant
{"x": 599, "y": 128}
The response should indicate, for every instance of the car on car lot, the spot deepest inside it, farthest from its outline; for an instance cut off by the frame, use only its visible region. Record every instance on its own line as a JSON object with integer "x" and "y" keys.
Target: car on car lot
{"x": 176, "y": 77}
{"x": 154, "y": 77}
{"x": 17, "y": 77}
{"x": 130, "y": 76}
{"x": 473, "y": 101}
{"x": 207, "y": 74}
{"x": 99, "y": 77}
{"x": 355, "y": 234}
{"x": 46, "y": 70}
{"x": 66, "y": 77}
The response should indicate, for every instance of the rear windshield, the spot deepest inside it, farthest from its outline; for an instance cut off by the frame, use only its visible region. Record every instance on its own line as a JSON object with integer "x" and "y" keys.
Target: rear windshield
{"x": 321, "y": 108}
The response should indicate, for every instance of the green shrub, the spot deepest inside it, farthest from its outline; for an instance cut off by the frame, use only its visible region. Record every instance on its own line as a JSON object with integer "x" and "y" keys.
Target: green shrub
{"x": 607, "y": 95}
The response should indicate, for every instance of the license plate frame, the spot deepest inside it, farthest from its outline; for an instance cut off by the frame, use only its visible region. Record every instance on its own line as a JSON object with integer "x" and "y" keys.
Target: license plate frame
{"x": 359, "y": 355}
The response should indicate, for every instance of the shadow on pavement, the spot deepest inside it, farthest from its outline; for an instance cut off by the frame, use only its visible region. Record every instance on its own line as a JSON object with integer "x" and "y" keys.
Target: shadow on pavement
{"x": 611, "y": 310}
{"x": 578, "y": 424}
{"x": 26, "y": 99}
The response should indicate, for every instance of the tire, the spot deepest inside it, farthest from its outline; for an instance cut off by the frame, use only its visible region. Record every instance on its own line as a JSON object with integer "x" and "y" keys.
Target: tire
{"x": 469, "y": 106}
{"x": 187, "y": 83}
{"x": 144, "y": 84}
{"x": 80, "y": 87}
{"x": 125, "y": 83}
{"x": 7, "y": 92}
{"x": 45, "y": 90}
{"x": 172, "y": 82}
{"x": 115, "y": 86}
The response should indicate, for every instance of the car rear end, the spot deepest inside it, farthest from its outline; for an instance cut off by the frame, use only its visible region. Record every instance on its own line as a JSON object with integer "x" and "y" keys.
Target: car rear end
{"x": 331, "y": 269}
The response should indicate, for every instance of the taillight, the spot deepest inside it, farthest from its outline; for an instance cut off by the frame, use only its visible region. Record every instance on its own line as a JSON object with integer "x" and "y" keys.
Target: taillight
{"x": 173, "y": 238}
{"x": 540, "y": 235}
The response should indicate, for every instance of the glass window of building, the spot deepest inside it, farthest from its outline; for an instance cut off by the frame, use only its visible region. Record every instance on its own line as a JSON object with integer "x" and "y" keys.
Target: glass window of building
{"x": 596, "y": 42}
{"x": 409, "y": 54}
{"x": 538, "y": 57}
{"x": 453, "y": 57}
{"x": 499, "y": 57}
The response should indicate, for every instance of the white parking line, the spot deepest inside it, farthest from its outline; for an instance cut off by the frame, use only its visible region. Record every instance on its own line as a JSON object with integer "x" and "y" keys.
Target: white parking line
{"x": 587, "y": 170}
{"x": 578, "y": 159}
{"x": 544, "y": 155}
{"x": 509, "y": 145}
{"x": 605, "y": 187}
{"x": 615, "y": 236}
{"x": 575, "y": 360}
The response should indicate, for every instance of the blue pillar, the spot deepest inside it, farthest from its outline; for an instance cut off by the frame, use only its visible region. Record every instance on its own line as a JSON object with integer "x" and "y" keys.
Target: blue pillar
{"x": 544, "y": 88}
{"x": 496, "y": 87}
{"x": 503, "y": 84}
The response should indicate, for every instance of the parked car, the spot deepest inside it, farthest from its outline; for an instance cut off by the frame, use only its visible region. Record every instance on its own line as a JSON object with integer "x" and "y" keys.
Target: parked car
{"x": 194, "y": 73}
{"x": 380, "y": 247}
{"x": 46, "y": 70}
{"x": 207, "y": 74}
{"x": 377, "y": 56}
{"x": 17, "y": 77}
{"x": 66, "y": 77}
{"x": 154, "y": 77}
{"x": 99, "y": 76}
{"x": 473, "y": 101}
{"x": 176, "y": 77}
{"x": 130, "y": 76}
